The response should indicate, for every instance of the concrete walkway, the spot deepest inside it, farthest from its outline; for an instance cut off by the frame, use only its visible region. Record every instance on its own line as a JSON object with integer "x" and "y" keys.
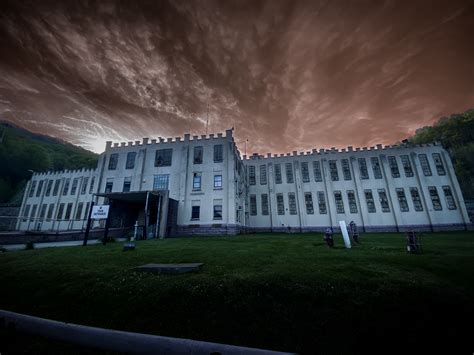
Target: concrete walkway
{"x": 71, "y": 243}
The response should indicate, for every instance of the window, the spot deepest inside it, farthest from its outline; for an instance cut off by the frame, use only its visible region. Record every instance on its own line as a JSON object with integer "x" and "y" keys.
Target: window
{"x": 79, "y": 211}
{"x": 333, "y": 170}
{"x": 253, "y": 205}
{"x": 32, "y": 189}
{"x": 66, "y": 186}
{"x": 67, "y": 216}
{"x": 369, "y": 198}
{"x": 130, "y": 164}
{"x": 197, "y": 182}
{"x": 91, "y": 188}
{"x": 40, "y": 187}
{"x": 425, "y": 165}
{"x": 352, "y": 201}
{"x": 406, "y": 165}
{"x": 33, "y": 211}
{"x": 435, "y": 198}
{"x": 59, "y": 215}
{"x": 109, "y": 184}
{"x": 50, "y": 211}
{"x": 48, "y": 187}
{"x": 263, "y": 174}
{"x": 195, "y": 212}
{"x": 308, "y": 200}
{"x": 84, "y": 185}
{"x": 252, "y": 175}
{"x": 346, "y": 170}
{"x": 304, "y": 171}
{"x": 439, "y": 164}
{"x": 317, "y": 171}
{"x": 218, "y": 153}
{"x": 392, "y": 162}
{"x": 43, "y": 210}
{"x": 26, "y": 212}
{"x": 415, "y": 196}
{"x": 322, "y": 203}
{"x": 280, "y": 204}
{"x": 292, "y": 202}
{"x": 163, "y": 157}
{"x": 278, "y": 174}
{"x": 75, "y": 181}
{"x": 161, "y": 182}
{"x": 198, "y": 151}
{"x": 364, "y": 172}
{"x": 264, "y": 198}
{"x": 383, "y": 200}
{"x": 289, "y": 173}
{"x": 449, "y": 198}
{"x": 127, "y": 184}
{"x": 402, "y": 200}
{"x": 56, "y": 187}
{"x": 217, "y": 213}
{"x": 376, "y": 167}
{"x": 113, "y": 160}
{"x": 339, "y": 202}
{"x": 217, "y": 182}
{"x": 86, "y": 210}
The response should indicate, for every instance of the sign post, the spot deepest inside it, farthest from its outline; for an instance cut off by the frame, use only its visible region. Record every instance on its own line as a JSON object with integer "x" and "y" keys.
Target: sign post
{"x": 96, "y": 212}
{"x": 345, "y": 235}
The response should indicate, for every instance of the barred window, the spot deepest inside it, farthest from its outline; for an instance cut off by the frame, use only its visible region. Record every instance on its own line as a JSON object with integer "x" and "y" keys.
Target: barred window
{"x": 402, "y": 200}
{"x": 130, "y": 164}
{"x": 339, "y": 202}
{"x": 218, "y": 153}
{"x": 425, "y": 165}
{"x": 364, "y": 172}
{"x": 109, "y": 184}
{"x": 392, "y": 162}
{"x": 304, "y": 172}
{"x": 369, "y": 198}
{"x": 322, "y": 203}
{"x": 264, "y": 200}
{"x": 292, "y": 202}
{"x": 439, "y": 164}
{"x": 164, "y": 157}
{"x": 113, "y": 160}
{"x": 289, "y": 173}
{"x": 352, "y": 201}
{"x": 75, "y": 181}
{"x": 278, "y": 179}
{"x": 346, "y": 170}
{"x": 67, "y": 216}
{"x": 376, "y": 167}
{"x": 406, "y": 165}
{"x": 317, "y": 171}
{"x": 383, "y": 200}
{"x": 91, "y": 188}
{"x": 435, "y": 198}
{"x": 308, "y": 199}
{"x": 48, "y": 187}
{"x": 449, "y": 198}
{"x": 198, "y": 155}
{"x": 50, "y": 211}
{"x": 333, "y": 170}
{"x": 415, "y": 196}
{"x": 59, "y": 215}
{"x": 32, "y": 189}
{"x": 66, "y": 186}
{"x": 217, "y": 182}
{"x": 252, "y": 175}
{"x": 79, "y": 211}
{"x": 280, "y": 204}
{"x": 56, "y": 187}
{"x": 40, "y": 187}
{"x": 84, "y": 185}
{"x": 196, "y": 181}
{"x": 195, "y": 212}
{"x": 263, "y": 174}
{"x": 127, "y": 184}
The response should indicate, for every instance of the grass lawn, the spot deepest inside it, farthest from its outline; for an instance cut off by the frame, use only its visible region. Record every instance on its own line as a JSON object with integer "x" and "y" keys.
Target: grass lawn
{"x": 275, "y": 291}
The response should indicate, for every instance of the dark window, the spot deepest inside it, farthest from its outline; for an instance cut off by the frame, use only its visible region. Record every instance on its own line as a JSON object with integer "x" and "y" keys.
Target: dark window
{"x": 43, "y": 210}
{"x": 217, "y": 182}
{"x": 278, "y": 179}
{"x": 33, "y": 211}
{"x": 376, "y": 167}
{"x": 364, "y": 172}
{"x": 253, "y": 205}
{"x": 48, "y": 187}
{"x": 369, "y": 198}
{"x": 317, "y": 171}
{"x": 127, "y": 184}
{"x": 75, "y": 181}
{"x": 196, "y": 181}
{"x": 383, "y": 200}
{"x": 322, "y": 203}
{"x": 308, "y": 200}
{"x": 67, "y": 216}
{"x": 263, "y": 174}
{"x": 130, "y": 164}
{"x": 292, "y": 202}
{"x": 352, "y": 201}
{"x": 195, "y": 211}
{"x": 392, "y": 162}
{"x": 198, "y": 152}
{"x": 264, "y": 198}
{"x": 59, "y": 215}
{"x": 79, "y": 211}
{"x": 163, "y": 157}
{"x": 161, "y": 182}
{"x": 91, "y": 188}
{"x": 32, "y": 189}
{"x": 435, "y": 198}
{"x": 280, "y": 204}
{"x": 86, "y": 211}
{"x": 346, "y": 170}
{"x": 425, "y": 165}
{"x": 289, "y": 173}
{"x": 113, "y": 160}
{"x": 406, "y": 165}
{"x": 217, "y": 211}
{"x": 26, "y": 212}
{"x": 50, "y": 211}
{"x": 439, "y": 164}
{"x": 84, "y": 185}
{"x": 333, "y": 170}
{"x": 56, "y": 187}
{"x": 415, "y": 196}
{"x": 304, "y": 172}
{"x": 339, "y": 202}
{"x": 449, "y": 198}
{"x": 109, "y": 184}
{"x": 252, "y": 180}
{"x": 40, "y": 187}
{"x": 66, "y": 186}
{"x": 218, "y": 153}
{"x": 402, "y": 200}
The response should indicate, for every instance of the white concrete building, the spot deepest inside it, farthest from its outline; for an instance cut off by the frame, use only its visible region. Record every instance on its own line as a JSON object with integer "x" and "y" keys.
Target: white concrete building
{"x": 201, "y": 185}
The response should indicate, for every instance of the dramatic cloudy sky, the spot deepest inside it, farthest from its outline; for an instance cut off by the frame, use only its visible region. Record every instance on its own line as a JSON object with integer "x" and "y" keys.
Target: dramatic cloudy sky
{"x": 286, "y": 74}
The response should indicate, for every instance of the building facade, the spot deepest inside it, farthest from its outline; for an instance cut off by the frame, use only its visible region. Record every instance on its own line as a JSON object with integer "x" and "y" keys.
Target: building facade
{"x": 382, "y": 188}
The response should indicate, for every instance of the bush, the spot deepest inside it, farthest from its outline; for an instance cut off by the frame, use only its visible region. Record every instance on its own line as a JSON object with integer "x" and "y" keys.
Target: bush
{"x": 30, "y": 245}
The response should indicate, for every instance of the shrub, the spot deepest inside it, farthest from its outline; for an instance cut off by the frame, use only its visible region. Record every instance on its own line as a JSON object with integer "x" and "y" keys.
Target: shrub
{"x": 29, "y": 245}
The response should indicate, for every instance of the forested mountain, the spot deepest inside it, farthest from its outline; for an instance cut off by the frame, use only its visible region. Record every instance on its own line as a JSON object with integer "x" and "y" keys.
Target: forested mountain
{"x": 456, "y": 133}
{"x": 22, "y": 150}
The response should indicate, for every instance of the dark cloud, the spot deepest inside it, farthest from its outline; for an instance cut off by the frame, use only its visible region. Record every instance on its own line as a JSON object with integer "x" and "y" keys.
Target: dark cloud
{"x": 287, "y": 75}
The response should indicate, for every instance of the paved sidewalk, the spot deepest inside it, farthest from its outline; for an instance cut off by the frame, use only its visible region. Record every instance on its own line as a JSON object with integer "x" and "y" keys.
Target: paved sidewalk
{"x": 71, "y": 243}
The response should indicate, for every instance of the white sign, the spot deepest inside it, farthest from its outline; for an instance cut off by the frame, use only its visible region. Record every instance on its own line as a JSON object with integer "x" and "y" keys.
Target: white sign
{"x": 345, "y": 235}
{"x": 100, "y": 212}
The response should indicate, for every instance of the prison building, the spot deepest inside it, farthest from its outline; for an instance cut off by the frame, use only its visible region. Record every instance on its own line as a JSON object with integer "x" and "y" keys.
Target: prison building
{"x": 201, "y": 185}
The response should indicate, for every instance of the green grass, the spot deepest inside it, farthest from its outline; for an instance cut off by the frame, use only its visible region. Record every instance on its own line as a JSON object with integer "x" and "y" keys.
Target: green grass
{"x": 275, "y": 291}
